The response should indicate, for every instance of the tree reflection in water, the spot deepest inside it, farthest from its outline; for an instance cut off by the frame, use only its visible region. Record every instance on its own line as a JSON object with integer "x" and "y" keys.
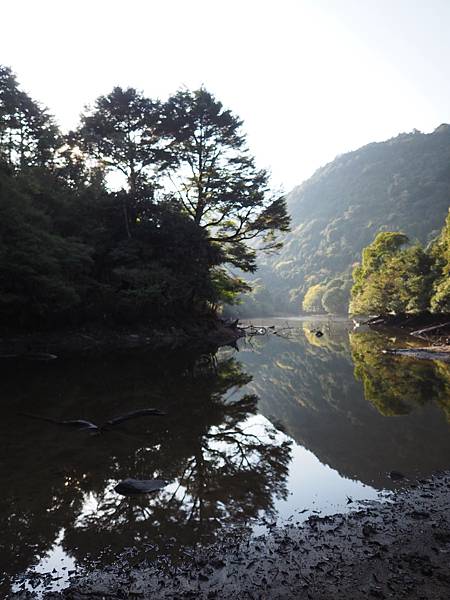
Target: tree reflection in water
{"x": 331, "y": 395}
{"x": 397, "y": 385}
{"x": 222, "y": 469}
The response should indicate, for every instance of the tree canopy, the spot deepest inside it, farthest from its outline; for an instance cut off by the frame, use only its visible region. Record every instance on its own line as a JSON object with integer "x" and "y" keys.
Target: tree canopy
{"x": 440, "y": 252}
{"x": 312, "y": 302}
{"x": 215, "y": 177}
{"x": 28, "y": 134}
{"x": 134, "y": 216}
{"x": 398, "y": 279}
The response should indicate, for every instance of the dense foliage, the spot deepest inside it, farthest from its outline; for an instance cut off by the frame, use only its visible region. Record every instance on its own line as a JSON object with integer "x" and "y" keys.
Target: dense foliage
{"x": 395, "y": 279}
{"x": 402, "y": 184}
{"x": 440, "y": 253}
{"x": 134, "y": 216}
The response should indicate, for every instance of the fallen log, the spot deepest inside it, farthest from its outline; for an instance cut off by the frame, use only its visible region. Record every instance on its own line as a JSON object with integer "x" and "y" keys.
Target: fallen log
{"x": 420, "y": 332}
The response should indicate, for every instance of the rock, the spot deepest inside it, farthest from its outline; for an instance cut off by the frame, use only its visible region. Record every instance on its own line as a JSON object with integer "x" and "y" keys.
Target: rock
{"x": 420, "y": 514}
{"x": 396, "y": 475}
{"x": 369, "y": 529}
{"x": 130, "y": 486}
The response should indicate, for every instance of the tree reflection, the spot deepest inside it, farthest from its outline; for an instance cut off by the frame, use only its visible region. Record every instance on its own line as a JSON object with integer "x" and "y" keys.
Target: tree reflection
{"x": 223, "y": 469}
{"x": 397, "y": 385}
{"x": 308, "y": 386}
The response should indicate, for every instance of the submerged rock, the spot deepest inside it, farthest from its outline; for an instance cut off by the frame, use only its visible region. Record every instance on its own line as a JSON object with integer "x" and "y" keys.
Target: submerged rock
{"x": 396, "y": 475}
{"x": 130, "y": 486}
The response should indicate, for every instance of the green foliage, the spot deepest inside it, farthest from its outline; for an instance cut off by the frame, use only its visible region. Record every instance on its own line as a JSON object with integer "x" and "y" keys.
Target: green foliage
{"x": 158, "y": 249}
{"x": 440, "y": 252}
{"x": 312, "y": 302}
{"x": 227, "y": 287}
{"x": 441, "y": 297}
{"x": 335, "y": 297}
{"x": 391, "y": 279}
{"x": 191, "y": 150}
{"x": 216, "y": 180}
{"x": 331, "y": 297}
{"x": 121, "y": 131}
{"x": 257, "y": 300}
{"x": 28, "y": 135}
{"x": 398, "y": 185}
{"x": 42, "y": 274}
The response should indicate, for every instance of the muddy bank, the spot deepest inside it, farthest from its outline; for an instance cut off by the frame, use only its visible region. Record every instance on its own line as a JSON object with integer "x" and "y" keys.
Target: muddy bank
{"x": 390, "y": 550}
{"x": 205, "y": 336}
{"x": 433, "y": 329}
{"x": 427, "y": 326}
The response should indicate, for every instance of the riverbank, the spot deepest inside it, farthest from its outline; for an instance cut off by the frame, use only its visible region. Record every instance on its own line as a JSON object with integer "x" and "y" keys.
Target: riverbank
{"x": 206, "y": 335}
{"x": 441, "y": 353}
{"x": 433, "y": 329}
{"x": 396, "y": 549}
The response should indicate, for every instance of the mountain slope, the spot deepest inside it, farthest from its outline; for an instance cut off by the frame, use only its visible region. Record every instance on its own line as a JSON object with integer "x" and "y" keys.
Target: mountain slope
{"x": 402, "y": 184}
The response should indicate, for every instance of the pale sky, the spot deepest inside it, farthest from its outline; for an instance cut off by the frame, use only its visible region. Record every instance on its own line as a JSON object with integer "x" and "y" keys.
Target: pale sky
{"x": 311, "y": 78}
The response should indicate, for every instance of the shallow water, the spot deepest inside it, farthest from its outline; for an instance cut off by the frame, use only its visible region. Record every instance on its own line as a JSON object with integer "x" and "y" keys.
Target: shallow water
{"x": 289, "y": 425}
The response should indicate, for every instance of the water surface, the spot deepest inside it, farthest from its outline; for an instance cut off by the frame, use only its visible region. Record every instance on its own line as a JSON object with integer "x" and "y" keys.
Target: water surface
{"x": 291, "y": 424}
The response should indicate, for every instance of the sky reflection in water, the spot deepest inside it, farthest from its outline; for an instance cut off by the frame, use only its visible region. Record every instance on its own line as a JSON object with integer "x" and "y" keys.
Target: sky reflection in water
{"x": 349, "y": 415}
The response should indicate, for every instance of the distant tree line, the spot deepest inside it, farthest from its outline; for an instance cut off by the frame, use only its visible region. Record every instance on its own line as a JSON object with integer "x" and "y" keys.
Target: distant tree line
{"x": 331, "y": 297}
{"x": 401, "y": 184}
{"x": 393, "y": 277}
{"x": 134, "y": 216}
{"x": 397, "y": 278}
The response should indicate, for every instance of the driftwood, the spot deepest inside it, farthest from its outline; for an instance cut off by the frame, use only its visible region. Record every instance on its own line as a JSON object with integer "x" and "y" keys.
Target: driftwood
{"x": 42, "y": 356}
{"x": 420, "y": 332}
{"x": 251, "y": 330}
{"x": 145, "y": 412}
{"x": 71, "y": 424}
{"x": 81, "y": 424}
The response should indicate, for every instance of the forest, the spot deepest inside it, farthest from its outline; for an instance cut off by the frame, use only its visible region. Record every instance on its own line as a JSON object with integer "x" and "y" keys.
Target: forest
{"x": 399, "y": 185}
{"x": 393, "y": 278}
{"x": 139, "y": 214}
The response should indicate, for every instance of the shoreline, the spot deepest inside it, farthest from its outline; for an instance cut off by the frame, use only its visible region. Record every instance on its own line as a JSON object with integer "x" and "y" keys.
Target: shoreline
{"x": 397, "y": 549}
{"x": 441, "y": 353}
{"x": 205, "y": 336}
{"x": 433, "y": 329}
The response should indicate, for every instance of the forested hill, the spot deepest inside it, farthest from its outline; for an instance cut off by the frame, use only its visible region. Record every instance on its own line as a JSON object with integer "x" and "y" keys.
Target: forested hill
{"x": 402, "y": 184}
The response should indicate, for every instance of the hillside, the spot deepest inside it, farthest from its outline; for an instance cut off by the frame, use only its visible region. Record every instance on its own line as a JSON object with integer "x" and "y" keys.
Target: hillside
{"x": 402, "y": 184}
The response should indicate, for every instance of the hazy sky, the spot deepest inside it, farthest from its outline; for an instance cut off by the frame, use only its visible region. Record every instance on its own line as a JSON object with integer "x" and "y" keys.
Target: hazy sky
{"x": 311, "y": 78}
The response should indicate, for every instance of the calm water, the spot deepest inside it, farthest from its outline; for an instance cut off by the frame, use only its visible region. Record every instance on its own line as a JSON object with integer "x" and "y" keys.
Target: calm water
{"x": 288, "y": 425}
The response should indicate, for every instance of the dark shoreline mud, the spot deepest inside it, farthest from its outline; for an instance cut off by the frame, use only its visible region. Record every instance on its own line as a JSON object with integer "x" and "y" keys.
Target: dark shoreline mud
{"x": 396, "y": 549}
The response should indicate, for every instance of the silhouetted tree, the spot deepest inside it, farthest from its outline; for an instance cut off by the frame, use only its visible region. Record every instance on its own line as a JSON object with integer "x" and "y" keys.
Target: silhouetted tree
{"x": 121, "y": 132}
{"x": 28, "y": 134}
{"x": 215, "y": 179}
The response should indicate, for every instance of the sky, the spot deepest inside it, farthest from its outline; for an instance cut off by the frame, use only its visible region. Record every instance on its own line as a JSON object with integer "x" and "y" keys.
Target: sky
{"x": 310, "y": 78}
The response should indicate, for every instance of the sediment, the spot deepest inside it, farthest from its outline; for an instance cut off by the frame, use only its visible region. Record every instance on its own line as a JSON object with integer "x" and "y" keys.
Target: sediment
{"x": 393, "y": 549}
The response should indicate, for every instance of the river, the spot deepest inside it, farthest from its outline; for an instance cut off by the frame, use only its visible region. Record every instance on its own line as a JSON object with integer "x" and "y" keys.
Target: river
{"x": 288, "y": 425}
